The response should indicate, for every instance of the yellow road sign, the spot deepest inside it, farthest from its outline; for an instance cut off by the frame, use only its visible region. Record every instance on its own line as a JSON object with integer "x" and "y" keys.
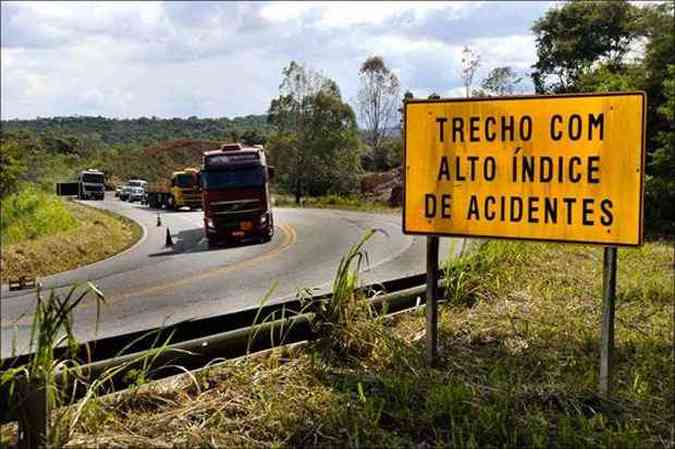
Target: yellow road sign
{"x": 562, "y": 168}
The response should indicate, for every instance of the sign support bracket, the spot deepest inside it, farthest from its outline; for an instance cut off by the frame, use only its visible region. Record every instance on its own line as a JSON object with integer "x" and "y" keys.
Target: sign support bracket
{"x": 607, "y": 327}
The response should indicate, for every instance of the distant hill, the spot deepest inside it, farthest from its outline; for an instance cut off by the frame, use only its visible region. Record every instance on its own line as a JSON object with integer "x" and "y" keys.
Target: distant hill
{"x": 156, "y": 162}
{"x": 143, "y": 131}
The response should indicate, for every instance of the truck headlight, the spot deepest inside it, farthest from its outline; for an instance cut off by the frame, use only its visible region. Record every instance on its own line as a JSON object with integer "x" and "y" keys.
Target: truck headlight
{"x": 209, "y": 223}
{"x": 263, "y": 219}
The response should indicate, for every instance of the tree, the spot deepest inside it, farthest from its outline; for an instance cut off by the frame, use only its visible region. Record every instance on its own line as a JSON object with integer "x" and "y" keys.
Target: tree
{"x": 570, "y": 39}
{"x": 656, "y": 26}
{"x": 252, "y": 137}
{"x": 661, "y": 181}
{"x": 499, "y": 82}
{"x": 470, "y": 64}
{"x": 378, "y": 99}
{"x": 316, "y": 146}
{"x": 12, "y": 166}
{"x": 232, "y": 135}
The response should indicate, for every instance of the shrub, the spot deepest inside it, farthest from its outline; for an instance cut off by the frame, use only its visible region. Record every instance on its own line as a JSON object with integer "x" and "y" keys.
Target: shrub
{"x": 31, "y": 213}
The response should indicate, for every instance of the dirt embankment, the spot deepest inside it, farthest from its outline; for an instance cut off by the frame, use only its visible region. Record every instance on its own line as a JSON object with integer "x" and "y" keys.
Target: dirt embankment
{"x": 99, "y": 235}
{"x": 384, "y": 187}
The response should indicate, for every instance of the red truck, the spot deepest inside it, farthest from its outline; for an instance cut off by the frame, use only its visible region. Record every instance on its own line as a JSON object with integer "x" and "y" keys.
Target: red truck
{"x": 236, "y": 195}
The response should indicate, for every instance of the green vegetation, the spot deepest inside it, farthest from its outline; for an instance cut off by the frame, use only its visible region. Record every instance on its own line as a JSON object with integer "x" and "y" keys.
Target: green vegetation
{"x": 60, "y": 379}
{"x": 88, "y": 235}
{"x": 31, "y": 214}
{"x": 518, "y": 368}
{"x": 349, "y": 202}
{"x": 378, "y": 101}
{"x": 101, "y": 131}
{"x": 52, "y": 326}
{"x": 499, "y": 82}
{"x": 46, "y": 151}
{"x": 316, "y": 148}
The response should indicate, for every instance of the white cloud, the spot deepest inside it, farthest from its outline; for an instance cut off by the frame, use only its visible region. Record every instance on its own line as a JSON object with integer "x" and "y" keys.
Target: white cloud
{"x": 340, "y": 14}
{"x": 126, "y": 59}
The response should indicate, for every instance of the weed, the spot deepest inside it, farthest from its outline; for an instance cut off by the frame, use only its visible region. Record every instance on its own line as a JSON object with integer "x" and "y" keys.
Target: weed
{"x": 61, "y": 378}
{"x": 345, "y": 321}
{"x": 51, "y": 327}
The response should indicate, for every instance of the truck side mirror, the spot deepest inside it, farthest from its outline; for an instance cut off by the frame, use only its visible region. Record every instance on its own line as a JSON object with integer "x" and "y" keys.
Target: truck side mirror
{"x": 270, "y": 173}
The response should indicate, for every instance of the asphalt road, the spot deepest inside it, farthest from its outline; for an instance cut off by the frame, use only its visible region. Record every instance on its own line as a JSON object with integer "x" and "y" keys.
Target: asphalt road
{"x": 150, "y": 285}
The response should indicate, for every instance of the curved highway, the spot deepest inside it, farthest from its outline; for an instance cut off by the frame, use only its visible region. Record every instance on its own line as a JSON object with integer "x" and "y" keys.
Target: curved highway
{"x": 150, "y": 285}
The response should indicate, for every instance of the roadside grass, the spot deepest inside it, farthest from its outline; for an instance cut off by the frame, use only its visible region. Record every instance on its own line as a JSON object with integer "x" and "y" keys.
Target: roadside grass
{"x": 95, "y": 235}
{"x": 58, "y": 380}
{"x": 348, "y": 202}
{"x": 31, "y": 214}
{"x": 519, "y": 359}
{"x": 51, "y": 326}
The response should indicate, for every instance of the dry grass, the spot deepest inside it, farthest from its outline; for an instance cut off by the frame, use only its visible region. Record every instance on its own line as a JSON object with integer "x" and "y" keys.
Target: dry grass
{"x": 345, "y": 202}
{"x": 99, "y": 235}
{"x": 519, "y": 345}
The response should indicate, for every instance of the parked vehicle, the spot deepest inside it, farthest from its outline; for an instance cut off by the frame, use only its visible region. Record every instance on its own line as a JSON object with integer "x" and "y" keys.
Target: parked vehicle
{"x": 235, "y": 190}
{"x": 124, "y": 192}
{"x": 136, "y": 191}
{"x": 92, "y": 185}
{"x": 181, "y": 190}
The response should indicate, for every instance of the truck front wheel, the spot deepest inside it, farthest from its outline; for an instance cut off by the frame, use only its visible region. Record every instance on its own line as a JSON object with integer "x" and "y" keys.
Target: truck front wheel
{"x": 171, "y": 203}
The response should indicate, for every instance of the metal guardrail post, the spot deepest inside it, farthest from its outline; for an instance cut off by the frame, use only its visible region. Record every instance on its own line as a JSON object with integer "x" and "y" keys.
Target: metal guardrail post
{"x": 33, "y": 414}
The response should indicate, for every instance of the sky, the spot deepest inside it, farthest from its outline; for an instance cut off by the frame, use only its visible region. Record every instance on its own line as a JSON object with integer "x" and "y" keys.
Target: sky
{"x": 212, "y": 59}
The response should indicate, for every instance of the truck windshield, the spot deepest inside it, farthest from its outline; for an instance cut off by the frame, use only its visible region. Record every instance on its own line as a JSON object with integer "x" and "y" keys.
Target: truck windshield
{"x": 136, "y": 183}
{"x": 242, "y": 177}
{"x": 185, "y": 180}
{"x": 92, "y": 178}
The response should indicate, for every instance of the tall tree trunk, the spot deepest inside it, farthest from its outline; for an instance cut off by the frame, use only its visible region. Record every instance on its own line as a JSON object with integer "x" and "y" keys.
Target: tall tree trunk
{"x": 298, "y": 192}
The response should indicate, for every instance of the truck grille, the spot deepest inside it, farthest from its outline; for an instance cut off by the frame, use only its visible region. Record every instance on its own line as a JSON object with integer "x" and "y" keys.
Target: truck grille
{"x": 237, "y": 207}
{"x": 234, "y": 221}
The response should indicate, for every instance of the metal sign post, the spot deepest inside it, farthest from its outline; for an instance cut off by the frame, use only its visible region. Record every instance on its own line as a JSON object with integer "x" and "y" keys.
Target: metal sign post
{"x": 607, "y": 330}
{"x": 431, "y": 300}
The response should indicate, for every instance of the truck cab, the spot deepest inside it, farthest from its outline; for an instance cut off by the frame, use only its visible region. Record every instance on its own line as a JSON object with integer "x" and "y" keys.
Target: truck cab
{"x": 185, "y": 189}
{"x": 180, "y": 190}
{"x": 91, "y": 185}
{"x": 236, "y": 195}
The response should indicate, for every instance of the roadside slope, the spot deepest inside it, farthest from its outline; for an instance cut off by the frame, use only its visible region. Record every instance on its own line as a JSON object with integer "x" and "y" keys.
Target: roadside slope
{"x": 99, "y": 234}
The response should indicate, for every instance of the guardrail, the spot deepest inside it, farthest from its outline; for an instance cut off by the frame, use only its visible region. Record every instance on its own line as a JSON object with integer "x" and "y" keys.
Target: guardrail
{"x": 196, "y": 343}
